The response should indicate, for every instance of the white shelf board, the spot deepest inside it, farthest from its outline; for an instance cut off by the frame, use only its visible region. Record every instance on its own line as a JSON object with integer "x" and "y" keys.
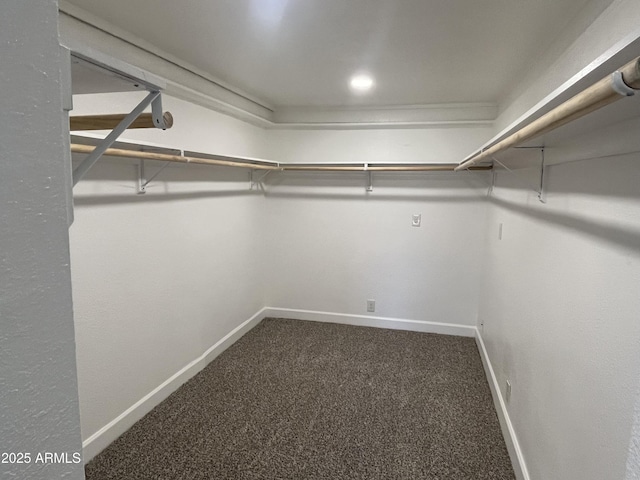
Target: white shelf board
{"x": 87, "y": 138}
{"x": 87, "y": 78}
{"x": 95, "y": 72}
{"x": 623, "y": 110}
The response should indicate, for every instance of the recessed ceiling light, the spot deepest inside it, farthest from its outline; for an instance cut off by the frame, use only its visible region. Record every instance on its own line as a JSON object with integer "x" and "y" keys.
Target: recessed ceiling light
{"x": 361, "y": 82}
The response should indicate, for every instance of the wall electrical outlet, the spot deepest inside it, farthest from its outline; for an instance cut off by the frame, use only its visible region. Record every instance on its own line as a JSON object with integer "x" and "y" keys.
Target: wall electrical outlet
{"x": 507, "y": 392}
{"x": 416, "y": 219}
{"x": 371, "y": 305}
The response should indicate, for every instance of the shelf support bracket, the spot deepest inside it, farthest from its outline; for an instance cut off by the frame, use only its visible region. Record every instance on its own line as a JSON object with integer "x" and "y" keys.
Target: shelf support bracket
{"x": 493, "y": 182}
{"x": 539, "y": 189}
{"x": 542, "y": 194}
{"x": 256, "y": 182}
{"x": 80, "y": 171}
{"x": 369, "y": 178}
{"x": 142, "y": 180}
{"x": 157, "y": 114}
{"x": 142, "y": 184}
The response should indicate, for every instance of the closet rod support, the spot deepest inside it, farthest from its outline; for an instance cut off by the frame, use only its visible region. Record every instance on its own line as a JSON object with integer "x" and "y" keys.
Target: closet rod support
{"x": 522, "y": 180}
{"x": 253, "y": 182}
{"x": 542, "y": 194}
{"x": 617, "y": 83}
{"x": 143, "y": 182}
{"x": 159, "y": 119}
{"x": 493, "y": 182}
{"x": 81, "y": 170}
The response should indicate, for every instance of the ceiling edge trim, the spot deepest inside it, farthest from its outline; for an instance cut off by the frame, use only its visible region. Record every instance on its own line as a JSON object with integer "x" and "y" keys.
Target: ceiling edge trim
{"x": 381, "y": 125}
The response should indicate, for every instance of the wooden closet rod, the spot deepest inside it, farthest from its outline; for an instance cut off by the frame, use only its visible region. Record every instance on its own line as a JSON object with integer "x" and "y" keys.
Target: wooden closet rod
{"x": 434, "y": 167}
{"x": 596, "y": 96}
{"x": 109, "y": 122}
{"x": 417, "y": 167}
{"x": 164, "y": 157}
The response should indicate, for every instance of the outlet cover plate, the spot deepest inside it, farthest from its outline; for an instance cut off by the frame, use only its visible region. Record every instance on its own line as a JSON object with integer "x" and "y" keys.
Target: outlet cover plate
{"x": 371, "y": 305}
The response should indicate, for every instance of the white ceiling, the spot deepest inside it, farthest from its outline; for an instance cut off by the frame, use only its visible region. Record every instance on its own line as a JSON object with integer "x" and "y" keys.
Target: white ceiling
{"x": 302, "y": 52}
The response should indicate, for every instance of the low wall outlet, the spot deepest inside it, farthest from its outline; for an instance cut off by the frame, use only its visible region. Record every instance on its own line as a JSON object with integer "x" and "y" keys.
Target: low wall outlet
{"x": 371, "y": 305}
{"x": 416, "y": 219}
{"x": 507, "y": 392}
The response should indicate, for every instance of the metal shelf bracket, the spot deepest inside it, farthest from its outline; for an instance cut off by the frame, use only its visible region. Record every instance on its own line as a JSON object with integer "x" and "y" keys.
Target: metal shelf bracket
{"x": 493, "y": 182}
{"x": 369, "y": 178}
{"x": 539, "y": 189}
{"x": 80, "y": 171}
{"x": 157, "y": 114}
{"x": 143, "y": 182}
{"x": 542, "y": 193}
{"x": 257, "y": 182}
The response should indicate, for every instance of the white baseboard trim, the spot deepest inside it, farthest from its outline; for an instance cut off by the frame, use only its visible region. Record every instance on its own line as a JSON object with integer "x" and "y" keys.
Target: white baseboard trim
{"x": 116, "y": 427}
{"x": 509, "y": 434}
{"x": 370, "y": 321}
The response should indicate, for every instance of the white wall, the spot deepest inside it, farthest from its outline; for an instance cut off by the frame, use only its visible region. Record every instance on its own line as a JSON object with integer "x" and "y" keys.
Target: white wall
{"x": 633, "y": 460}
{"x": 332, "y": 246}
{"x": 399, "y": 145}
{"x": 160, "y": 278}
{"x": 38, "y": 390}
{"x": 559, "y": 304}
{"x": 559, "y": 298}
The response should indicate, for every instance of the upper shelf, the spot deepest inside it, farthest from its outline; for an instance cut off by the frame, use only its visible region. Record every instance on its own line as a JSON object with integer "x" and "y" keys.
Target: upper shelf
{"x": 100, "y": 73}
{"x": 88, "y": 78}
{"x": 621, "y": 111}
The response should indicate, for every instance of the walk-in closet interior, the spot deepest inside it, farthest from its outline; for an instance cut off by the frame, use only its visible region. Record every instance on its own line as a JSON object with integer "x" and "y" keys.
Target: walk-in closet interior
{"x": 364, "y": 239}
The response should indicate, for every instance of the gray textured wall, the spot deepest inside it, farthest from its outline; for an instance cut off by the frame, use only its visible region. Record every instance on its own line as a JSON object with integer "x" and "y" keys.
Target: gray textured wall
{"x": 38, "y": 386}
